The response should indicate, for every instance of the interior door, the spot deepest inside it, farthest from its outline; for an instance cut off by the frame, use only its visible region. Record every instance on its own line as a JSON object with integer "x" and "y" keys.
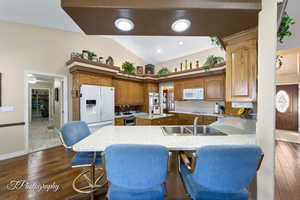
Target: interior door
{"x": 287, "y": 107}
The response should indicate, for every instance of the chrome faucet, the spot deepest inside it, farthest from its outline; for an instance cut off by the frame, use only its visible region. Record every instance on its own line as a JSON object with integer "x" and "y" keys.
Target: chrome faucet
{"x": 195, "y": 125}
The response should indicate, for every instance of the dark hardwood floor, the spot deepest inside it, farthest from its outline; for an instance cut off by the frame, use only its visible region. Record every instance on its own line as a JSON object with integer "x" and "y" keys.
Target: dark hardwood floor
{"x": 53, "y": 166}
{"x": 287, "y": 171}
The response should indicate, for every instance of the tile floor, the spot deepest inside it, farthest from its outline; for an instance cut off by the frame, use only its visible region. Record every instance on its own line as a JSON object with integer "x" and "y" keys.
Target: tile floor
{"x": 40, "y": 137}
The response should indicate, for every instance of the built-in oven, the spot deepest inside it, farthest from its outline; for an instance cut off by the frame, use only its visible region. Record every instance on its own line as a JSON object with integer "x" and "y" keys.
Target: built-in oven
{"x": 129, "y": 121}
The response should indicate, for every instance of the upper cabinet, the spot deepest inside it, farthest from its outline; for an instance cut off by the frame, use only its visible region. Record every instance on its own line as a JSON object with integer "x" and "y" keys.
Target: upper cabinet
{"x": 241, "y": 67}
{"x": 213, "y": 87}
{"x": 128, "y": 92}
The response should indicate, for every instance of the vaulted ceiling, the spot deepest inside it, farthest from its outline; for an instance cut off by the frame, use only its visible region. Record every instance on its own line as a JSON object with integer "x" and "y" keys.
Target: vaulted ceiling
{"x": 153, "y": 49}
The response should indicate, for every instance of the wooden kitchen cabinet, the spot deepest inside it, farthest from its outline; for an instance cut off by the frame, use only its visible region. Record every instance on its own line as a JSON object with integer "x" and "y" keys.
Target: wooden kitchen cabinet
{"x": 164, "y": 121}
{"x": 178, "y": 90}
{"x": 241, "y": 66}
{"x": 128, "y": 92}
{"x": 188, "y": 119}
{"x": 214, "y": 88}
{"x": 119, "y": 121}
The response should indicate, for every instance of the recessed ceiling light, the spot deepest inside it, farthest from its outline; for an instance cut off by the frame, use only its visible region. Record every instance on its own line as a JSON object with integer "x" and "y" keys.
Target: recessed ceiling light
{"x": 180, "y": 43}
{"x": 181, "y": 25}
{"x": 124, "y": 24}
{"x": 158, "y": 50}
{"x": 30, "y": 75}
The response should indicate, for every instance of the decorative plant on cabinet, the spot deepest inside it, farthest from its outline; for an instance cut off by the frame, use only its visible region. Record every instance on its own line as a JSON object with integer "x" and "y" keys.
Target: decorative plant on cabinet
{"x": 128, "y": 68}
{"x": 212, "y": 61}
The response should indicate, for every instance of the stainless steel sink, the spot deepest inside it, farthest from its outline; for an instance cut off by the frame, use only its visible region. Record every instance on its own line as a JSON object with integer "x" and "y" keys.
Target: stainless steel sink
{"x": 176, "y": 131}
{"x": 206, "y": 131}
{"x": 189, "y": 131}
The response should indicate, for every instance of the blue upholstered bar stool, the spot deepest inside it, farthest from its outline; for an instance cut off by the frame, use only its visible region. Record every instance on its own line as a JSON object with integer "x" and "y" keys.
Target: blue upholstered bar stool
{"x": 70, "y": 134}
{"x": 136, "y": 172}
{"x": 222, "y": 172}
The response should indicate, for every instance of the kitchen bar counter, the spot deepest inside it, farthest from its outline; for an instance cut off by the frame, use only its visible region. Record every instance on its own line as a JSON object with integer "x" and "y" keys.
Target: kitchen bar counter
{"x": 109, "y": 135}
{"x": 153, "y": 117}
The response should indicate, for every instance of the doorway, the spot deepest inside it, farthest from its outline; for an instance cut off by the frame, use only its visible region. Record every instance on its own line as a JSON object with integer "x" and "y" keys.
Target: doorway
{"x": 45, "y": 110}
{"x": 40, "y": 104}
{"x": 287, "y": 107}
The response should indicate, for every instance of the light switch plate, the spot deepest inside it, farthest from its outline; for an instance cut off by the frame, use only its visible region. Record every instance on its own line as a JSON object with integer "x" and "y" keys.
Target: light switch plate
{"x": 7, "y": 109}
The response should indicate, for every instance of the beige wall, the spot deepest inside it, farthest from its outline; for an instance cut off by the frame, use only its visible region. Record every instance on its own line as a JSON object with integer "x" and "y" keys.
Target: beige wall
{"x": 200, "y": 56}
{"x": 29, "y": 48}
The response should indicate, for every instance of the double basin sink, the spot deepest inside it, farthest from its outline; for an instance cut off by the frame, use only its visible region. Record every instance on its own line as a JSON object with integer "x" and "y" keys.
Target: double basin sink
{"x": 189, "y": 131}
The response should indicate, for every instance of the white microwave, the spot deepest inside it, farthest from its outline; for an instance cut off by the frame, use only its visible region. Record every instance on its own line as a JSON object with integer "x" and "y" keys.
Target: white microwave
{"x": 193, "y": 94}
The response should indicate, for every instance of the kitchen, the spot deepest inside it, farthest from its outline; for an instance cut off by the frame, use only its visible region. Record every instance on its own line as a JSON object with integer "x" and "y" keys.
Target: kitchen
{"x": 175, "y": 98}
{"x": 192, "y": 105}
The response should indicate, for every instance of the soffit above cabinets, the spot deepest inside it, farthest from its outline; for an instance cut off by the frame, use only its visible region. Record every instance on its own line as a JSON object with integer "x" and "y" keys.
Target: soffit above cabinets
{"x": 208, "y": 17}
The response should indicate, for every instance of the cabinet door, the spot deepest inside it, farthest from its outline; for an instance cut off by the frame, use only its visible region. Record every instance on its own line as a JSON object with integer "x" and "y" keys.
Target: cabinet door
{"x": 178, "y": 90}
{"x": 214, "y": 88}
{"x": 241, "y": 72}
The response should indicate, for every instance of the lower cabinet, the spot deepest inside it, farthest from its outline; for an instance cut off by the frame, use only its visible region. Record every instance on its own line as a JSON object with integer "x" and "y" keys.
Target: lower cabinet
{"x": 188, "y": 119}
{"x": 177, "y": 119}
{"x": 119, "y": 121}
{"x": 165, "y": 121}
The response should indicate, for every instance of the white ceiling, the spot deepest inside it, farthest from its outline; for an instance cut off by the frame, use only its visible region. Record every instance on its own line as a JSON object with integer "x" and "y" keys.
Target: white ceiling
{"x": 157, "y": 49}
{"x": 48, "y": 13}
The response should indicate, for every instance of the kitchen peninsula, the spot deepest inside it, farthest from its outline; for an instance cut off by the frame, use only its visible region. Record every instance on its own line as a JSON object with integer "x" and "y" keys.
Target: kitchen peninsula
{"x": 234, "y": 129}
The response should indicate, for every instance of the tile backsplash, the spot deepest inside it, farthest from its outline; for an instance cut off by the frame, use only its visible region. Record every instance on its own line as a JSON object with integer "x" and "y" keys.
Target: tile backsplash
{"x": 196, "y": 106}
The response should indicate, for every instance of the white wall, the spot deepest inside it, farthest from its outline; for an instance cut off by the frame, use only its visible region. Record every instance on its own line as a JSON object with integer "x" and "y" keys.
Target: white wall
{"x": 28, "y": 48}
{"x": 293, "y": 41}
{"x": 200, "y": 56}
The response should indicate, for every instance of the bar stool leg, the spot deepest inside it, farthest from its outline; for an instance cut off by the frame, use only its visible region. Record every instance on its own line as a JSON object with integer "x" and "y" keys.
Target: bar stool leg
{"x": 93, "y": 180}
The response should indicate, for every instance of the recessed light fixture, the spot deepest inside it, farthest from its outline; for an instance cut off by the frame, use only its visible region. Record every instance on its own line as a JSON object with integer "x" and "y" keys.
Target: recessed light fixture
{"x": 124, "y": 24}
{"x": 181, "y": 25}
{"x": 158, "y": 50}
{"x": 180, "y": 43}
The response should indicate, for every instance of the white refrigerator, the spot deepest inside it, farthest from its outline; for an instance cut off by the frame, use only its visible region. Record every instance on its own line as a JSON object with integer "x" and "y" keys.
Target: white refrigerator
{"x": 97, "y": 105}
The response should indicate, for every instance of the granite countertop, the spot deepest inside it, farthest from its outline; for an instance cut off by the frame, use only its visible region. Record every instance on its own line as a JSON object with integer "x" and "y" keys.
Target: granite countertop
{"x": 198, "y": 113}
{"x": 153, "y": 117}
{"x": 133, "y": 114}
{"x": 109, "y": 135}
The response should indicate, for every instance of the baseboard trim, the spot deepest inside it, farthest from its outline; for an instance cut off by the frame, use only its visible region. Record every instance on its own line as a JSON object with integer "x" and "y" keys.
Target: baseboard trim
{"x": 12, "y": 155}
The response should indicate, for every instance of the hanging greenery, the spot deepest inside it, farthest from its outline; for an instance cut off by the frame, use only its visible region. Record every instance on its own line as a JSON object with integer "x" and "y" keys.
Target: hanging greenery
{"x": 127, "y": 67}
{"x": 284, "y": 28}
{"x": 215, "y": 41}
{"x": 212, "y": 61}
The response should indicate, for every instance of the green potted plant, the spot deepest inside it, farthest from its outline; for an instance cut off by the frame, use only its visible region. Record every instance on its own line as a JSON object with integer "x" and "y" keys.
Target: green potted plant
{"x": 128, "y": 68}
{"x": 163, "y": 71}
{"x": 284, "y": 28}
{"x": 212, "y": 61}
